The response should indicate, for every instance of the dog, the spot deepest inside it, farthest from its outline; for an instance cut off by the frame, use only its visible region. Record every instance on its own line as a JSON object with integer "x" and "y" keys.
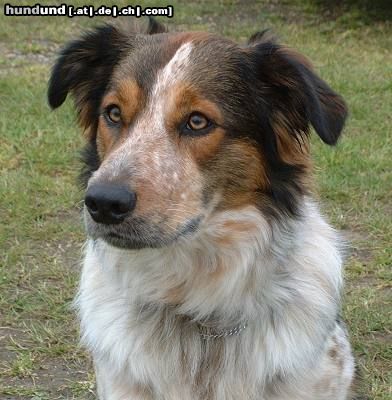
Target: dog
{"x": 209, "y": 271}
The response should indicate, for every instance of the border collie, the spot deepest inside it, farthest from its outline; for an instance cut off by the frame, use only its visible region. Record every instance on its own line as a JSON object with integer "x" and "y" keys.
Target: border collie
{"x": 209, "y": 272}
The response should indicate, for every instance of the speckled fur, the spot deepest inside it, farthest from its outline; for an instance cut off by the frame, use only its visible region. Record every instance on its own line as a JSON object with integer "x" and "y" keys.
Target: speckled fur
{"x": 284, "y": 280}
{"x": 225, "y": 230}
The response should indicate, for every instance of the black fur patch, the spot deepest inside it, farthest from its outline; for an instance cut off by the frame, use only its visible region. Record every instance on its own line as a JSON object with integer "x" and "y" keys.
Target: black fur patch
{"x": 298, "y": 92}
{"x": 90, "y": 163}
{"x": 85, "y": 67}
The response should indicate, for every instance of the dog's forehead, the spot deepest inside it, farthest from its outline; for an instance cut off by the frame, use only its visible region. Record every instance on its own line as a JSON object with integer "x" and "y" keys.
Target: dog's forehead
{"x": 194, "y": 56}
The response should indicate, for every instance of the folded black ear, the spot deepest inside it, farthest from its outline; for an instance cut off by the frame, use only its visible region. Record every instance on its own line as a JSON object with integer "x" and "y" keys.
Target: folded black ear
{"x": 85, "y": 66}
{"x": 84, "y": 69}
{"x": 296, "y": 92}
{"x": 328, "y": 113}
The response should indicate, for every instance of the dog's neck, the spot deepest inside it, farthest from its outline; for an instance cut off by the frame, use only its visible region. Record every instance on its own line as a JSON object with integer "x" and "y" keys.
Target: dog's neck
{"x": 211, "y": 277}
{"x": 240, "y": 270}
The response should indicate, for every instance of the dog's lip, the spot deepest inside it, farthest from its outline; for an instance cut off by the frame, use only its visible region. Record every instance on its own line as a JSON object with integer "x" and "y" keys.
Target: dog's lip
{"x": 119, "y": 236}
{"x": 123, "y": 241}
{"x": 132, "y": 239}
{"x": 115, "y": 235}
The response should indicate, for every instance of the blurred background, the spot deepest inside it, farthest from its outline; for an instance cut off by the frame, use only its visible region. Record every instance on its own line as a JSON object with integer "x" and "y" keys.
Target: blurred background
{"x": 41, "y": 234}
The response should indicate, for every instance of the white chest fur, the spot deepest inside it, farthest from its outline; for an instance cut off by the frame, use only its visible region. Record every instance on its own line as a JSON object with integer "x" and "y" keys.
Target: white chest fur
{"x": 283, "y": 281}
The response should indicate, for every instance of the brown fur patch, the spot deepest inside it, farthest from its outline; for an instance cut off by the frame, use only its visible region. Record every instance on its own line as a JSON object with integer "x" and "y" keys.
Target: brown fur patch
{"x": 179, "y": 38}
{"x": 141, "y": 392}
{"x": 183, "y": 100}
{"x": 294, "y": 55}
{"x": 333, "y": 353}
{"x": 129, "y": 97}
{"x": 204, "y": 147}
{"x": 234, "y": 230}
{"x": 240, "y": 172}
{"x": 293, "y": 149}
{"x": 175, "y": 295}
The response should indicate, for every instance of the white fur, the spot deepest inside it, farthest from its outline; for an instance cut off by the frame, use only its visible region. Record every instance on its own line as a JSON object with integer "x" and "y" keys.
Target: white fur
{"x": 283, "y": 280}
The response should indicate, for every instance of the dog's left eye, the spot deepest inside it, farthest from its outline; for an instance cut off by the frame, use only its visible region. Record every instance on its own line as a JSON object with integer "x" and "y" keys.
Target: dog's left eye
{"x": 198, "y": 123}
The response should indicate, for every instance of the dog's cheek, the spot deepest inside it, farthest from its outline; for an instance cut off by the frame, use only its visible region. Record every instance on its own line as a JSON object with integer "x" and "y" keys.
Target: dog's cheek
{"x": 105, "y": 140}
{"x": 203, "y": 148}
{"x": 238, "y": 172}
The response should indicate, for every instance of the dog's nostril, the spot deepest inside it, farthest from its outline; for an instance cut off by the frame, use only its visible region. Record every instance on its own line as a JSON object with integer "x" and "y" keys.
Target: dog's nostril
{"x": 91, "y": 204}
{"x": 109, "y": 204}
{"x": 119, "y": 208}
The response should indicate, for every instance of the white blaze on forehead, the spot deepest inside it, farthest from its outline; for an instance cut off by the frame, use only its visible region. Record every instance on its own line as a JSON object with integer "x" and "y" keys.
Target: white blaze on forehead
{"x": 174, "y": 69}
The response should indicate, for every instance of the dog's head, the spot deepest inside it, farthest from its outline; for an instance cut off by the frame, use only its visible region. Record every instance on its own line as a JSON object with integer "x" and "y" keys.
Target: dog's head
{"x": 184, "y": 125}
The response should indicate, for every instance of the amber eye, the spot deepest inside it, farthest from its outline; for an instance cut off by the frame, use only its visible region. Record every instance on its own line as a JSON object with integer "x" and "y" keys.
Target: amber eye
{"x": 197, "y": 122}
{"x": 113, "y": 114}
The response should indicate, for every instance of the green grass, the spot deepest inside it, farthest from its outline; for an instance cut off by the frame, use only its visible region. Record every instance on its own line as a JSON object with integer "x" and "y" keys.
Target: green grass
{"x": 40, "y": 231}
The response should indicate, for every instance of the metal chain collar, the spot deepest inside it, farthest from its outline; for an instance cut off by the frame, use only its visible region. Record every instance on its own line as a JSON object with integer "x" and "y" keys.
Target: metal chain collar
{"x": 232, "y": 332}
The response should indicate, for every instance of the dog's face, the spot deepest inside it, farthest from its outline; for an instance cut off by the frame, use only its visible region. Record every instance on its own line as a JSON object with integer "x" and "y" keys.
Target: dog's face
{"x": 184, "y": 125}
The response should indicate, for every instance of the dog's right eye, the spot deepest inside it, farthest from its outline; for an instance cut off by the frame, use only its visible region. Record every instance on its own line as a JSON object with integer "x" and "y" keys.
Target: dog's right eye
{"x": 113, "y": 114}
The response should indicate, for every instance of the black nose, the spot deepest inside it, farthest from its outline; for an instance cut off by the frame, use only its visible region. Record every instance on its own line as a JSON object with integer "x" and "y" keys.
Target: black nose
{"x": 109, "y": 204}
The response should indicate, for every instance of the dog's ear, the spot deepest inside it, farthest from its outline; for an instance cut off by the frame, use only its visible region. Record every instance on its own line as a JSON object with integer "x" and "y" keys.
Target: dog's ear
{"x": 85, "y": 66}
{"x": 155, "y": 27}
{"x": 295, "y": 93}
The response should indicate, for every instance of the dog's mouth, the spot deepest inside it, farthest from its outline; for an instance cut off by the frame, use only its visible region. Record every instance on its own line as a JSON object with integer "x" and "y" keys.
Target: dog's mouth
{"x": 127, "y": 242}
{"x": 139, "y": 235}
